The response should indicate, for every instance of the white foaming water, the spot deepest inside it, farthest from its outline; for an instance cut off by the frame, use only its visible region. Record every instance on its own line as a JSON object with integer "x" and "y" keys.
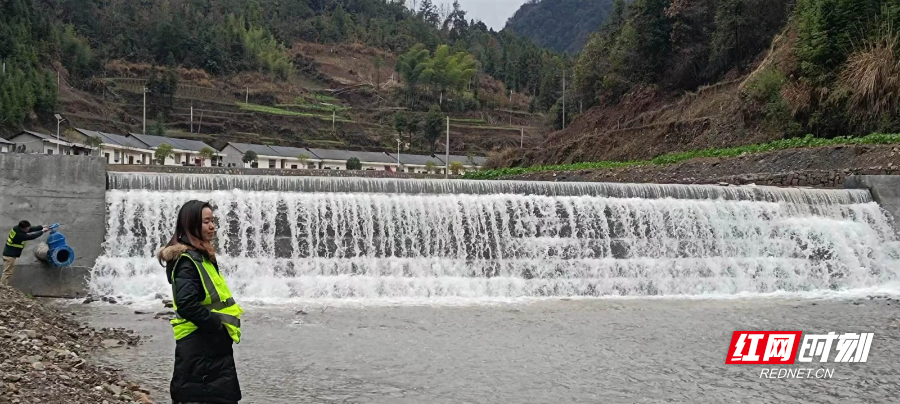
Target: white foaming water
{"x": 295, "y": 246}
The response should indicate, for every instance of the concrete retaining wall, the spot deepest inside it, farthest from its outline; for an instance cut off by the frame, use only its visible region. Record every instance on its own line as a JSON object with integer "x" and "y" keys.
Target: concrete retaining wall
{"x": 885, "y": 190}
{"x": 43, "y": 189}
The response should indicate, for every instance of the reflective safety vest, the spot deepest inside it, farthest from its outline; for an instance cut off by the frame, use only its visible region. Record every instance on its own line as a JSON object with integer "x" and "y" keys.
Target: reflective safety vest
{"x": 12, "y": 236}
{"x": 218, "y": 301}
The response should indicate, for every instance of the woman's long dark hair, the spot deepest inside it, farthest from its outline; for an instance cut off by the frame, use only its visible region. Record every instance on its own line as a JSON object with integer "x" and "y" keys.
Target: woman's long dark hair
{"x": 190, "y": 225}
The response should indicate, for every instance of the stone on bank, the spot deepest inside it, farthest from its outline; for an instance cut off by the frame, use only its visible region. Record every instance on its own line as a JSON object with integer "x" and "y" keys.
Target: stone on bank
{"x": 44, "y": 357}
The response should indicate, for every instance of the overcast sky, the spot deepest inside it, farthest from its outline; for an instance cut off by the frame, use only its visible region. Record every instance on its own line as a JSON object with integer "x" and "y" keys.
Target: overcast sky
{"x": 494, "y": 13}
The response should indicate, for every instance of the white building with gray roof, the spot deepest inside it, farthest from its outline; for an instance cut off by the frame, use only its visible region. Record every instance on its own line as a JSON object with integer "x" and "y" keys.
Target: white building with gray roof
{"x": 117, "y": 149}
{"x": 285, "y": 157}
{"x": 36, "y": 142}
{"x": 186, "y": 151}
{"x": 296, "y": 158}
{"x": 266, "y": 157}
{"x": 415, "y": 163}
{"x": 6, "y": 146}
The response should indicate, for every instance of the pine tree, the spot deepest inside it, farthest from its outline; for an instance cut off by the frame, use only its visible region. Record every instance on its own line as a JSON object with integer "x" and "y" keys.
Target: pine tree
{"x": 159, "y": 128}
{"x": 428, "y": 12}
{"x": 652, "y": 46}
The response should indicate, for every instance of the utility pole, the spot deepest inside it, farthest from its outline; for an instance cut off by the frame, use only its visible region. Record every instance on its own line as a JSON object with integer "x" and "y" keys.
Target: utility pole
{"x": 57, "y": 135}
{"x": 447, "y": 168}
{"x": 522, "y": 138}
{"x": 333, "y": 119}
{"x": 247, "y": 97}
{"x": 564, "y": 101}
{"x": 59, "y": 120}
{"x": 145, "y": 111}
{"x": 399, "y": 165}
{"x": 192, "y": 117}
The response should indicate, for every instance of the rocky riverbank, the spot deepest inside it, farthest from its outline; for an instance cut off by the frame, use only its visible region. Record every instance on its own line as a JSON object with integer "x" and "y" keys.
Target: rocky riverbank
{"x": 44, "y": 357}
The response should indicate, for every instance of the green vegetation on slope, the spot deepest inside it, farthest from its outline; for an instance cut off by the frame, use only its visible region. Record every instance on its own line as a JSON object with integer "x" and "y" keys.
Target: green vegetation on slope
{"x": 26, "y": 39}
{"x": 328, "y": 106}
{"x": 439, "y": 74}
{"x": 225, "y": 37}
{"x": 279, "y": 111}
{"x": 792, "y": 143}
{"x": 834, "y": 74}
{"x": 676, "y": 45}
{"x": 845, "y": 79}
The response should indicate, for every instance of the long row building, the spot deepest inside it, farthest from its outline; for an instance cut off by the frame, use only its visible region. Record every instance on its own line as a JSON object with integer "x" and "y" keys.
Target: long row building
{"x": 139, "y": 149}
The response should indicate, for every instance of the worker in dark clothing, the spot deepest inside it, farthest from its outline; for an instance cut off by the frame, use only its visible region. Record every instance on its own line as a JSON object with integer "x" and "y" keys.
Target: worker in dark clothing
{"x": 207, "y": 319}
{"x": 15, "y": 243}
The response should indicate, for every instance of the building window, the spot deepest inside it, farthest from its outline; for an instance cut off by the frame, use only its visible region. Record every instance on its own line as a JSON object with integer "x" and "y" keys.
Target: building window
{"x": 49, "y": 151}
{"x": 311, "y": 166}
{"x": 271, "y": 163}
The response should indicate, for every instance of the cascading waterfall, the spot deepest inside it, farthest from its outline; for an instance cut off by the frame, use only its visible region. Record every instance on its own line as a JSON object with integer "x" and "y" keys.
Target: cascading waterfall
{"x": 435, "y": 239}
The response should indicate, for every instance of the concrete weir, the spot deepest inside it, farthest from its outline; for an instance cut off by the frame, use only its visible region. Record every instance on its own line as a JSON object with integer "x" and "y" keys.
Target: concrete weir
{"x": 885, "y": 190}
{"x": 44, "y": 189}
{"x": 73, "y": 190}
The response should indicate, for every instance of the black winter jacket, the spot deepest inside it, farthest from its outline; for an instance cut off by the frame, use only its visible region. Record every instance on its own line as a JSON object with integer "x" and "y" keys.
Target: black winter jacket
{"x": 21, "y": 236}
{"x": 205, "y": 371}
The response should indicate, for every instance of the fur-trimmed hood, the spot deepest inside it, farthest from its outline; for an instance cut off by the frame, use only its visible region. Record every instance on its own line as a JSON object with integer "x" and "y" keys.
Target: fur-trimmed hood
{"x": 172, "y": 252}
{"x": 169, "y": 255}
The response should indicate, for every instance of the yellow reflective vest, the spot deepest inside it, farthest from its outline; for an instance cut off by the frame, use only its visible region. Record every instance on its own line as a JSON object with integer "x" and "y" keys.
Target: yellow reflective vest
{"x": 12, "y": 236}
{"x": 218, "y": 301}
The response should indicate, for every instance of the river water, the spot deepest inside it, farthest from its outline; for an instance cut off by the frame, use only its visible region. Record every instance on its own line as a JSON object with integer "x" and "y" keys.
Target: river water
{"x": 512, "y": 292}
{"x": 551, "y": 351}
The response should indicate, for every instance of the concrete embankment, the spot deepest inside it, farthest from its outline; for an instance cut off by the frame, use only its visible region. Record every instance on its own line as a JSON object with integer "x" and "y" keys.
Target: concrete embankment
{"x": 55, "y": 189}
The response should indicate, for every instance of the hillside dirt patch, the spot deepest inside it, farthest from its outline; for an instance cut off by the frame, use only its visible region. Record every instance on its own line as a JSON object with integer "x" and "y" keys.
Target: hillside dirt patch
{"x": 648, "y": 123}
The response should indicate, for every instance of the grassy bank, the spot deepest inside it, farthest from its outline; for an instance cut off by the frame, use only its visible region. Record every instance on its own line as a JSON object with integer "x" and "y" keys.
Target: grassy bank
{"x": 671, "y": 158}
{"x": 279, "y": 111}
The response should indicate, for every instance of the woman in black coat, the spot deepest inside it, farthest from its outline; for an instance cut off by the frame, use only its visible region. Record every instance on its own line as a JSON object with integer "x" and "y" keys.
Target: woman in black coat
{"x": 204, "y": 371}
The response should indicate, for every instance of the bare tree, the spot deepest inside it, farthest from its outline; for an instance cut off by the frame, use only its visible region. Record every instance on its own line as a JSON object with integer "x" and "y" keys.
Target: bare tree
{"x": 444, "y": 11}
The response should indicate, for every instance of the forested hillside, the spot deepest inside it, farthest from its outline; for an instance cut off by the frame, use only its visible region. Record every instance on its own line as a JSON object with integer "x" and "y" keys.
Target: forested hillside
{"x": 561, "y": 25}
{"x": 81, "y": 39}
{"x": 667, "y": 76}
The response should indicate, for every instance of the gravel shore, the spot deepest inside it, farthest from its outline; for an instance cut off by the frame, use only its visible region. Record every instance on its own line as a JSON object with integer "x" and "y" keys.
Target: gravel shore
{"x": 45, "y": 356}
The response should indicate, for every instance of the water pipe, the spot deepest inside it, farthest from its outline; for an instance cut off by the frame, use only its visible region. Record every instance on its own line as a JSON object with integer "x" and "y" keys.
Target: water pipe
{"x": 55, "y": 251}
